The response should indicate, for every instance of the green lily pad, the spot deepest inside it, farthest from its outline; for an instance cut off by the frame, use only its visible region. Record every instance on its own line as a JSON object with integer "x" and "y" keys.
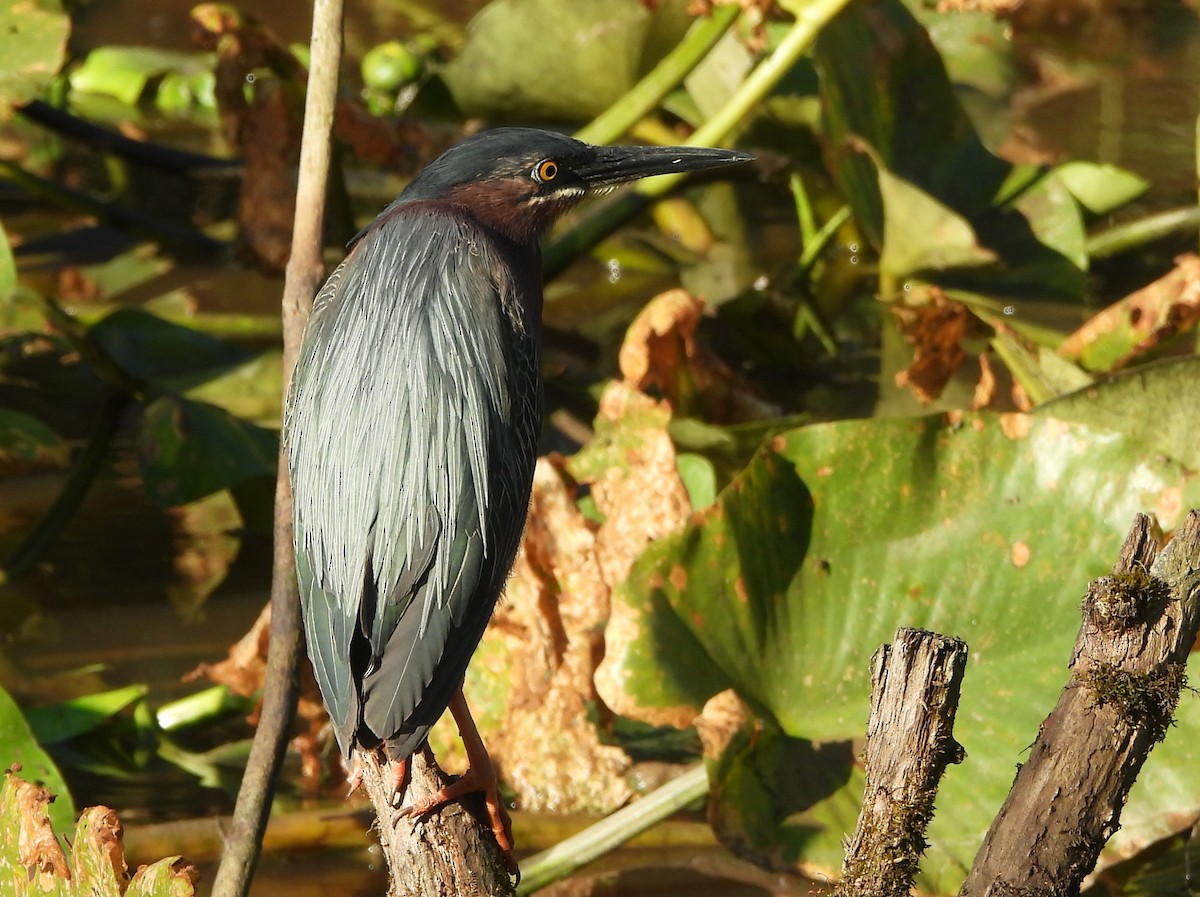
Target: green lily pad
{"x": 33, "y": 45}
{"x": 18, "y": 745}
{"x": 539, "y": 59}
{"x": 1120, "y": 402}
{"x": 187, "y": 450}
{"x": 986, "y": 528}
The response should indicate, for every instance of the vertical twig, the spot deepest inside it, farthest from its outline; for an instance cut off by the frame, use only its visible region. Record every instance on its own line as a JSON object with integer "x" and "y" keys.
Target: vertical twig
{"x": 915, "y": 687}
{"x": 305, "y": 269}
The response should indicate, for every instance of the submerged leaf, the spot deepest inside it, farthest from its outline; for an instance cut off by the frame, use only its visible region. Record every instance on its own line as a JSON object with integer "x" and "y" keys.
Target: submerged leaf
{"x": 188, "y": 450}
{"x": 163, "y": 353}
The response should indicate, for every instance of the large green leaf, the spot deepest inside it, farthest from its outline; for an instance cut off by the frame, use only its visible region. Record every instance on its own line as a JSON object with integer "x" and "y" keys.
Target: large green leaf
{"x": 1121, "y": 402}
{"x": 18, "y": 745}
{"x": 541, "y": 59}
{"x": 33, "y": 44}
{"x": 986, "y": 527}
{"x": 187, "y": 450}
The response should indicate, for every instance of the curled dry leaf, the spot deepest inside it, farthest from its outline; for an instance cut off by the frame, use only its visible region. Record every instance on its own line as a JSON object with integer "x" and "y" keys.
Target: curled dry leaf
{"x": 1141, "y": 322}
{"x": 985, "y": 389}
{"x": 551, "y": 626}
{"x": 935, "y": 329}
{"x": 98, "y": 854}
{"x": 660, "y": 352}
{"x": 723, "y": 716}
{"x": 549, "y": 635}
{"x": 38, "y": 851}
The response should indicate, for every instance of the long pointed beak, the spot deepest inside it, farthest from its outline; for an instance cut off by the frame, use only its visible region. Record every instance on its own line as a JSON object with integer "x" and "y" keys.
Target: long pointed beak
{"x": 611, "y": 165}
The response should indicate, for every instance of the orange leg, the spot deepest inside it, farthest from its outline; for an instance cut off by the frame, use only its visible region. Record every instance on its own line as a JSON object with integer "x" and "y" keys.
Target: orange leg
{"x": 480, "y": 777}
{"x": 394, "y": 772}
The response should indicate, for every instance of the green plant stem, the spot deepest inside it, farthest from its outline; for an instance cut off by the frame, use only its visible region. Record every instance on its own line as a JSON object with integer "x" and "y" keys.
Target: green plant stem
{"x": 83, "y": 474}
{"x": 714, "y": 132}
{"x": 561, "y": 860}
{"x": 816, "y": 245}
{"x": 645, "y": 96}
{"x": 1124, "y": 237}
{"x": 805, "y": 218}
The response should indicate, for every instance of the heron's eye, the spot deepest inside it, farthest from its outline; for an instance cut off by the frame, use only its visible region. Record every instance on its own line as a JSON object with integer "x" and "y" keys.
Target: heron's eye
{"x": 546, "y": 170}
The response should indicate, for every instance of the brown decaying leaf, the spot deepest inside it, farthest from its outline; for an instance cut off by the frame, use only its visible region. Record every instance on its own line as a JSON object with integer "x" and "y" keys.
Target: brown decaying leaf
{"x": 642, "y": 500}
{"x": 553, "y": 616}
{"x": 269, "y": 141}
{"x": 935, "y": 329}
{"x": 552, "y": 623}
{"x": 723, "y": 716}
{"x": 104, "y": 835}
{"x": 660, "y": 352}
{"x": 266, "y": 128}
{"x": 37, "y": 848}
{"x": 1163, "y": 309}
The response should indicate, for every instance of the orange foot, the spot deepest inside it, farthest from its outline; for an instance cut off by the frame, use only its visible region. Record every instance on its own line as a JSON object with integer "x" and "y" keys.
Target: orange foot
{"x": 480, "y": 777}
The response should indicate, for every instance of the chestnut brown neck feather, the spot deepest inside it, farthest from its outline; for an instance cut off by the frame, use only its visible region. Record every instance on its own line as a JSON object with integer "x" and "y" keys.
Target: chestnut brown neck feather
{"x": 504, "y": 205}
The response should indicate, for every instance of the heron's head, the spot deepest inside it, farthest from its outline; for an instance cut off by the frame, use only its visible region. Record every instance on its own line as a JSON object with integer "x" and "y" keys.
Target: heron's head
{"x": 519, "y": 180}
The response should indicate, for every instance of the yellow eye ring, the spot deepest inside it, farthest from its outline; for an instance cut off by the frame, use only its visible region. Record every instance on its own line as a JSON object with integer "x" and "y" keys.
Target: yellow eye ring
{"x": 546, "y": 170}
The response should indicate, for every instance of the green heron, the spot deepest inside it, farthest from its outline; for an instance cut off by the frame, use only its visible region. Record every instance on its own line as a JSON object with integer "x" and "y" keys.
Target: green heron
{"x": 412, "y": 426}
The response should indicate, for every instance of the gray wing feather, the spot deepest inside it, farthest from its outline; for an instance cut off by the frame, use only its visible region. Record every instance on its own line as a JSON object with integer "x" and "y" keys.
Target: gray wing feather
{"x": 392, "y": 416}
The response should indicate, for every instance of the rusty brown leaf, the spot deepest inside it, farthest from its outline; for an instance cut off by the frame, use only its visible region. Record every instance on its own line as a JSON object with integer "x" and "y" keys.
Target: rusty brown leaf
{"x": 935, "y": 329}
{"x": 1143, "y": 321}
{"x": 38, "y": 851}
{"x": 660, "y": 354}
{"x": 551, "y": 624}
